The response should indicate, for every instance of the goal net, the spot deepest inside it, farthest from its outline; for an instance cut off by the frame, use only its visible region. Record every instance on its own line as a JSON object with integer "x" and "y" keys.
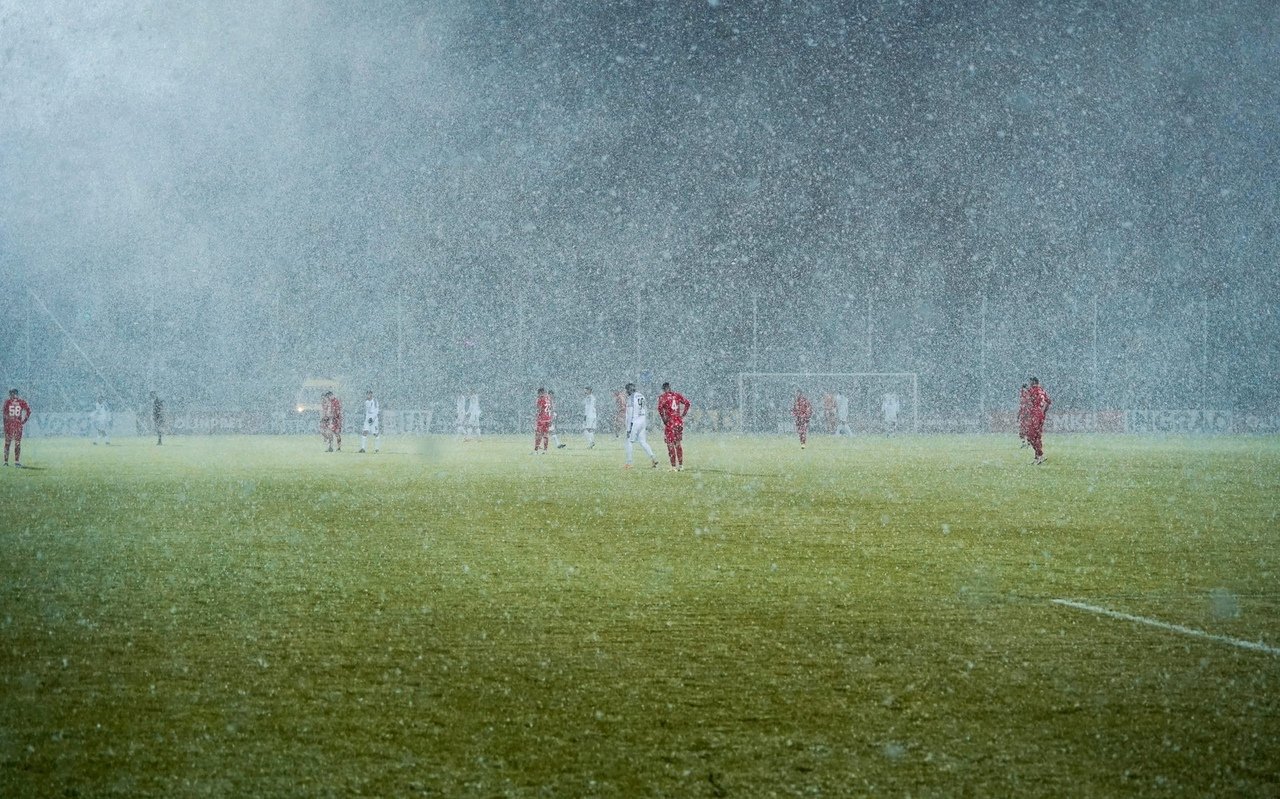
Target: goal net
{"x": 878, "y": 402}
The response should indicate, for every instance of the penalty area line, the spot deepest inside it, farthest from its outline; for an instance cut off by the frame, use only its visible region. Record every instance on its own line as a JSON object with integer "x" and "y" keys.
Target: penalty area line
{"x": 1164, "y": 625}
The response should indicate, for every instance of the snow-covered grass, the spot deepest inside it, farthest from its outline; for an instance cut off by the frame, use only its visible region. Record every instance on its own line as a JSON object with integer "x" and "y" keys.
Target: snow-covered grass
{"x": 255, "y": 617}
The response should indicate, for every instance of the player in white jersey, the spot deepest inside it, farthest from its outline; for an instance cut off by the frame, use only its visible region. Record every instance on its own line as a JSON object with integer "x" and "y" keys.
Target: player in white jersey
{"x": 101, "y": 419}
{"x": 842, "y": 415}
{"x": 890, "y": 409}
{"x": 460, "y": 416}
{"x": 636, "y": 420}
{"x": 372, "y": 423}
{"x": 589, "y": 418}
{"x": 473, "y": 416}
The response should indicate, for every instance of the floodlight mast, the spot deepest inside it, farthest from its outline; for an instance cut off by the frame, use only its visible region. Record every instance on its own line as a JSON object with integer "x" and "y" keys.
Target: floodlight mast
{"x": 744, "y": 376}
{"x": 76, "y": 345}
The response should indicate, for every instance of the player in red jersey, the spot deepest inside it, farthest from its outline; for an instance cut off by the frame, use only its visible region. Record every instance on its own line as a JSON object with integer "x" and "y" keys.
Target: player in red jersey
{"x": 541, "y": 420}
{"x": 331, "y": 420}
{"x": 802, "y": 410}
{"x": 16, "y": 412}
{"x": 326, "y": 430}
{"x": 335, "y": 420}
{"x": 1024, "y": 414}
{"x": 620, "y": 415}
{"x": 1038, "y": 403}
{"x": 672, "y": 408}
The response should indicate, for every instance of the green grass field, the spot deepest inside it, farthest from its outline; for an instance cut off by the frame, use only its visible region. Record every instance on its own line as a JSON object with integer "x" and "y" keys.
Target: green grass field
{"x": 254, "y": 617}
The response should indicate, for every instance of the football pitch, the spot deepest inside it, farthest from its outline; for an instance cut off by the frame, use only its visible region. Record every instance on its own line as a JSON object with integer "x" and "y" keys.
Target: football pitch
{"x": 251, "y": 616}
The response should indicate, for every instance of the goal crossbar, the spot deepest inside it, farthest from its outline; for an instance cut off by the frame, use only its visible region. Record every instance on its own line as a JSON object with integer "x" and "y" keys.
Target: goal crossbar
{"x": 913, "y": 376}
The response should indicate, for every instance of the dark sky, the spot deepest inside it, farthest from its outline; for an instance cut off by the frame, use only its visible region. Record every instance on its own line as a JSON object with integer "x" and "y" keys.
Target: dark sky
{"x": 225, "y": 198}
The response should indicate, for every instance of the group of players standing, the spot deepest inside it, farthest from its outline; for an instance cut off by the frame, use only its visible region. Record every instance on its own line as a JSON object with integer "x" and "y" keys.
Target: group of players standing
{"x": 673, "y": 407}
{"x": 837, "y": 410}
{"x": 544, "y": 421}
{"x": 467, "y": 425}
{"x": 331, "y": 422}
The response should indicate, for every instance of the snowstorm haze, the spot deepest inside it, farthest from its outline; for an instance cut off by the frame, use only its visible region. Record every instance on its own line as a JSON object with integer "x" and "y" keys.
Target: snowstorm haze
{"x": 215, "y": 201}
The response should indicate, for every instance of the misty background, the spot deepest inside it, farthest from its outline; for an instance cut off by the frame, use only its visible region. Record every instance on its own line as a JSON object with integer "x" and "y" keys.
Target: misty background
{"x": 217, "y": 200}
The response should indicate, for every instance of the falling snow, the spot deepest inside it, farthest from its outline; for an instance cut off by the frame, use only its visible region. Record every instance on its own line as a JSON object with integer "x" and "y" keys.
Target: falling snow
{"x": 431, "y": 197}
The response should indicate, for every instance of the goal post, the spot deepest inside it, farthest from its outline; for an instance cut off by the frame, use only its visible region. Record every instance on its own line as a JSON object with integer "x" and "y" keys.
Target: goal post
{"x": 764, "y": 398}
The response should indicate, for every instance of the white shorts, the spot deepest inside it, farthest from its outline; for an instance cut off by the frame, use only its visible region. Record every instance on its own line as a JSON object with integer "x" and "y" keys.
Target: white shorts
{"x": 371, "y": 427}
{"x": 637, "y": 430}
{"x": 589, "y": 424}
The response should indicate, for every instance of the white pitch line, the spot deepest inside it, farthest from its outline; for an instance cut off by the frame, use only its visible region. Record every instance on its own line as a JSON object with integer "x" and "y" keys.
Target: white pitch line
{"x": 1177, "y": 628}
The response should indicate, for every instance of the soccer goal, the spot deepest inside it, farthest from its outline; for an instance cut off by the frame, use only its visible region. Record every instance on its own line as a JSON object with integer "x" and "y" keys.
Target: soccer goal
{"x": 878, "y": 402}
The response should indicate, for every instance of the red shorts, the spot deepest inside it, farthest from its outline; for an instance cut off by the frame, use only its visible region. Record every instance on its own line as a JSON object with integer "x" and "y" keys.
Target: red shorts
{"x": 13, "y": 431}
{"x": 542, "y": 425}
{"x": 673, "y": 434}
